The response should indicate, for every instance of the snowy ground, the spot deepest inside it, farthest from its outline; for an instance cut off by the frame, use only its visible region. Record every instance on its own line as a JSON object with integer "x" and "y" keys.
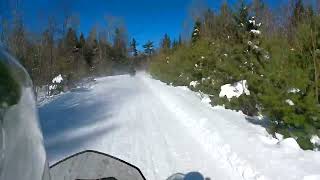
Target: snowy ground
{"x": 164, "y": 130}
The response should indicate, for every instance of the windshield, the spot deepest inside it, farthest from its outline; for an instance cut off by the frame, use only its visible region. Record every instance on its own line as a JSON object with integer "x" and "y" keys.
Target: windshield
{"x": 229, "y": 89}
{"x": 20, "y": 135}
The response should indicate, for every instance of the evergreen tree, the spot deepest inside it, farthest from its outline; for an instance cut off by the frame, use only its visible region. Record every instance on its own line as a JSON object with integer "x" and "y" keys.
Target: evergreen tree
{"x": 180, "y": 40}
{"x": 175, "y": 44}
{"x": 209, "y": 23}
{"x": 119, "y": 44}
{"x": 242, "y": 20}
{"x": 165, "y": 43}
{"x": 298, "y": 12}
{"x": 82, "y": 41}
{"x": 71, "y": 40}
{"x": 92, "y": 38}
{"x": 148, "y": 48}
{"x": 196, "y": 32}
{"x": 133, "y": 47}
{"x": 91, "y": 49}
{"x": 225, "y": 22}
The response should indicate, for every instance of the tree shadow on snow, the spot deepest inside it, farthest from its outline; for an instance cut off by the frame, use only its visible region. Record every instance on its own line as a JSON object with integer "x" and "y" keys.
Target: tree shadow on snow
{"x": 72, "y": 120}
{"x": 65, "y": 147}
{"x": 264, "y": 122}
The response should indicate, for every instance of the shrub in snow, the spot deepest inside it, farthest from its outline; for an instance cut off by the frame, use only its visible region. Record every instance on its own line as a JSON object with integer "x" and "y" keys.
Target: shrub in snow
{"x": 57, "y": 85}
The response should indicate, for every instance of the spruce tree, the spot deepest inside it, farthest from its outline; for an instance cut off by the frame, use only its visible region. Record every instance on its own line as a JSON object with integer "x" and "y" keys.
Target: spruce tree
{"x": 241, "y": 18}
{"x": 166, "y": 43}
{"x": 175, "y": 45}
{"x": 82, "y": 41}
{"x": 196, "y": 32}
{"x": 180, "y": 40}
{"x": 71, "y": 40}
{"x": 133, "y": 47}
{"x": 298, "y": 12}
{"x": 148, "y": 48}
{"x": 119, "y": 44}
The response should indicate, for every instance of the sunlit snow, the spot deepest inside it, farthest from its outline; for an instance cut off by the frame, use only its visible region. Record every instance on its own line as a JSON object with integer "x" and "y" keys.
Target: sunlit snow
{"x": 165, "y": 130}
{"x": 194, "y": 83}
{"x": 234, "y": 90}
{"x": 290, "y": 102}
{"x": 57, "y": 79}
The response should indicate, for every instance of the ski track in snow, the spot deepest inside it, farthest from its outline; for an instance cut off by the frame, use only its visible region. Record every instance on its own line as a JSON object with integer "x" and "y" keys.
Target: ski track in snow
{"x": 164, "y": 130}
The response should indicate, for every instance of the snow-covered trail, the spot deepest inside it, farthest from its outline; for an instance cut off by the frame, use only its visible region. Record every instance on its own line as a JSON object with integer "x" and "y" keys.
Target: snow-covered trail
{"x": 164, "y": 130}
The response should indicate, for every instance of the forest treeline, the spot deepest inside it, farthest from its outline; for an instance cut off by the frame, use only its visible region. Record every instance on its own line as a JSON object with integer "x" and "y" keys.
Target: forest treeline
{"x": 60, "y": 48}
{"x": 276, "y": 49}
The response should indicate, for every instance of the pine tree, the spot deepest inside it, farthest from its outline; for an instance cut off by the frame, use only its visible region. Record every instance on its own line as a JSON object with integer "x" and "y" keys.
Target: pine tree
{"x": 196, "y": 32}
{"x": 71, "y": 40}
{"x": 225, "y": 24}
{"x": 90, "y": 48}
{"x": 180, "y": 40}
{"x": 82, "y": 41}
{"x": 148, "y": 48}
{"x": 119, "y": 44}
{"x": 242, "y": 20}
{"x": 209, "y": 24}
{"x": 298, "y": 13}
{"x": 166, "y": 43}
{"x": 133, "y": 47}
{"x": 175, "y": 45}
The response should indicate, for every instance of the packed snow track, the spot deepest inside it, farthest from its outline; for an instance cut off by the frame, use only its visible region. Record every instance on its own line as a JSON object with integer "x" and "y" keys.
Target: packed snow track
{"x": 164, "y": 130}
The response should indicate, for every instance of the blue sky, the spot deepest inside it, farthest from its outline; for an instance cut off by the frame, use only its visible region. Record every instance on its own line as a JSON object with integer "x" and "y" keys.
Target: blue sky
{"x": 144, "y": 19}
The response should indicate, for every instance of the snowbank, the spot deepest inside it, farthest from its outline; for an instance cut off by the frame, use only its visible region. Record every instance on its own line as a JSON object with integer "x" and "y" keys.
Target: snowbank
{"x": 244, "y": 145}
{"x": 290, "y": 144}
{"x": 234, "y": 90}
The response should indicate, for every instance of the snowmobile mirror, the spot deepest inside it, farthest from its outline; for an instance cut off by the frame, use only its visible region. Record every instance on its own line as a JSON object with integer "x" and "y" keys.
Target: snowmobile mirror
{"x": 93, "y": 165}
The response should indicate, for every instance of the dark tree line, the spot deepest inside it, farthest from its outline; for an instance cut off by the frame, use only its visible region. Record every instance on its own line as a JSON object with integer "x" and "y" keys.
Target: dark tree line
{"x": 61, "y": 48}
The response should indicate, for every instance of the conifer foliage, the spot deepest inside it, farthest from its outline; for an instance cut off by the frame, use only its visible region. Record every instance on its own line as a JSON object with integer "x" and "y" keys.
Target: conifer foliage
{"x": 277, "y": 53}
